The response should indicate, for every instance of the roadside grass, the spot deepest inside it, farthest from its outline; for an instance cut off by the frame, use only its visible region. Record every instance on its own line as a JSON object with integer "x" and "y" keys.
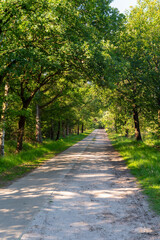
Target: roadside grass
{"x": 143, "y": 159}
{"x": 13, "y": 166}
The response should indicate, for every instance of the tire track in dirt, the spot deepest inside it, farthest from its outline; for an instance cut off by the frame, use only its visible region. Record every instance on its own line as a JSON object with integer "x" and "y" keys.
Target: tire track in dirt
{"x": 97, "y": 199}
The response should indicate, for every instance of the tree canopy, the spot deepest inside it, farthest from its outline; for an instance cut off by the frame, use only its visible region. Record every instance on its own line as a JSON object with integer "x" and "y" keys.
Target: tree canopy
{"x": 63, "y": 63}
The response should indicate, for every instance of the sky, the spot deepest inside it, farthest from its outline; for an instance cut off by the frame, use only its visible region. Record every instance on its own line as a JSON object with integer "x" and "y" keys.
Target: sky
{"x": 123, "y": 5}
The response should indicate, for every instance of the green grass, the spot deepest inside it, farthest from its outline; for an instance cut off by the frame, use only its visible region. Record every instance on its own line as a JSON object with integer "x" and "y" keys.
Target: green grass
{"x": 13, "y": 166}
{"x": 143, "y": 159}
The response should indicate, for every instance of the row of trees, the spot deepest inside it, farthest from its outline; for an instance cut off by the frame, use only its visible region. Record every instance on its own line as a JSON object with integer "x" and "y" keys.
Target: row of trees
{"x": 47, "y": 49}
{"x": 136, "y": 66}
{"x": 54, "y": 54}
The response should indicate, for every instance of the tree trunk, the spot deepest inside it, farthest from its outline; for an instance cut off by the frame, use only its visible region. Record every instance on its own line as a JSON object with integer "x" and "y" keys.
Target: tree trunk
{"x": 126, "y": 130}
{"x": 59, "y": 130}
{"x": 52, "y": 131}
{"x": 159, "y": 116}
{"x": 38, "y": 125}
{"x": 21, "y": 125}
{"x": 67, "y": 130}
{"x": 70, "y": 130}
{"x": 115, "y": 125}
{"x": 136, "y": 123}
{"x": 158, "y": 122}
{"x": 82, "y": 130}
{"x": 78, "y": 128}
{"x": 127, "y": 133}
{"x": 63, "y": 129}
{"x": 2, "y": 130}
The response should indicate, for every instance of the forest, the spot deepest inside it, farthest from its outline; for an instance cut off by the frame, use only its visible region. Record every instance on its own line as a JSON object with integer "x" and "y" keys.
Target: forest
{"x": 70, "y": 66}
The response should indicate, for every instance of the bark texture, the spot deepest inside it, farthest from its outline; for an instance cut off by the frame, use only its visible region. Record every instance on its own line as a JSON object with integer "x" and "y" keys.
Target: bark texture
{"x": 2, "y": 130}
{"x": 136, "y": 123}
{"x": 64, "y": 129}
{"x": 38, "y": 125}
{"x": 21, "y": 126}
{"x": 59, "y": 130}
{"x": 82, "y": 130}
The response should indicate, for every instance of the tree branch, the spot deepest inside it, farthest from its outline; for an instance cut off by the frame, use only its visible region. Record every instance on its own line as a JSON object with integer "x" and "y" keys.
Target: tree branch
{"x": 52, "y": 100}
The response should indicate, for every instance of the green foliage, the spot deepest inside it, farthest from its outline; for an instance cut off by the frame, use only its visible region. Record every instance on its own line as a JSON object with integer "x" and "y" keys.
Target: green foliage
{"x": 51, "y": 51}
{"x": 135, "y": 72}
{"x": 46, "y": 46}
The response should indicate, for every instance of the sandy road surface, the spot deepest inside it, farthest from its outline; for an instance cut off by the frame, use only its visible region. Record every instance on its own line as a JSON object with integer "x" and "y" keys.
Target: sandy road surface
{"x": 85, "y": 193}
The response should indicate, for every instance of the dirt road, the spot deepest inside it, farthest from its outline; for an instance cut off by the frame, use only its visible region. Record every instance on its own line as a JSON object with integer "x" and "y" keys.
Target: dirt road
{"x": 85, "y": 193}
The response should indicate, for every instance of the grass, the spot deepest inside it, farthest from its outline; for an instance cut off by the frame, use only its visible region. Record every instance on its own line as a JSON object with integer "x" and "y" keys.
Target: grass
{"x": 143, "y": 159}
{"x": 13, "y": 166}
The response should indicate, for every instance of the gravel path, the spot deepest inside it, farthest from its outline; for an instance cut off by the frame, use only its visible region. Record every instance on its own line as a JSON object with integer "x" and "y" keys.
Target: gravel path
{"x": 87, "y": 194}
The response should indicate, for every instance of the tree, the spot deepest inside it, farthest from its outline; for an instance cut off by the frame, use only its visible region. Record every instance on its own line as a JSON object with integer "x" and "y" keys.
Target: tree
{"x": 41, "y": 42}
{"x": 137, "y": 53}
{"x": 33, "y": 33}
{"x": 2, "y": 127}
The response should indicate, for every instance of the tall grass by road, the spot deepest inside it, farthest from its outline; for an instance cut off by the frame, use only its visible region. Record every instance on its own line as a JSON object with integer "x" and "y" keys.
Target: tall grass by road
{"x": 14, "y": 165}
{"x": 143, "y": 159}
